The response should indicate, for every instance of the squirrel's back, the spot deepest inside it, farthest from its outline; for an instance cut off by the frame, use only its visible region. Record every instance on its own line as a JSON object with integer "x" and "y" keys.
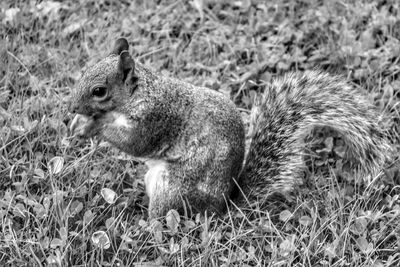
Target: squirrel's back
{"x": 291, "y": 114}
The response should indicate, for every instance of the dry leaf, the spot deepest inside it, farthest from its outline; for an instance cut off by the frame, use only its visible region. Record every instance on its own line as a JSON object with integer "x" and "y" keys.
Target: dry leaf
{"x": 305, "y": 220}
{"x": 109, "y": 195}
{"x": 173, "y": 220}
{"x": 364, "y": 245}
{"x": 55, "y": 165}
{"x": 100, "y": 239}
{"x": 38, "y": 173}
{"x": 285, "y": 215}
{"x": 10, "y": 15}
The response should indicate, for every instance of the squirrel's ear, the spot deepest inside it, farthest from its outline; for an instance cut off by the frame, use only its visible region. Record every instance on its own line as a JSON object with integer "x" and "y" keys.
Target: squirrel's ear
{"x": 126, "y": 66}
{"x": 120, "y": 45}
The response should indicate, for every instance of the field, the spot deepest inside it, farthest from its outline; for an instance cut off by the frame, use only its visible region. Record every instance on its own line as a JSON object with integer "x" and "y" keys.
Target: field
{"x": 68, "y": 203}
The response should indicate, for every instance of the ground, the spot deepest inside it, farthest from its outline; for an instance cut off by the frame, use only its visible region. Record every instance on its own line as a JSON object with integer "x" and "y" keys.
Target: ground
{"x": 64, "y": 203}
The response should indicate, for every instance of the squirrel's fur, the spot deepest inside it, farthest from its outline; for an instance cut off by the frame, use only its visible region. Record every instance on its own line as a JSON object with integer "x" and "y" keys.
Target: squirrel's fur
{"x": 192, "y": 138}
{"x": 289, "y": 110}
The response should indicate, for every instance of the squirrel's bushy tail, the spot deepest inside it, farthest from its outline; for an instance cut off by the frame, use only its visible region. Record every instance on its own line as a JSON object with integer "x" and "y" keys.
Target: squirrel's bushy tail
{"x": 291, "y": 114}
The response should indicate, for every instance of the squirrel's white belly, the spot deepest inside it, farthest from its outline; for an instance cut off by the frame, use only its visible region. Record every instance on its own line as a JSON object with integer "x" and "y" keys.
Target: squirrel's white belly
{"x": 155, "y": 178}
{"x": 120, "y": 120}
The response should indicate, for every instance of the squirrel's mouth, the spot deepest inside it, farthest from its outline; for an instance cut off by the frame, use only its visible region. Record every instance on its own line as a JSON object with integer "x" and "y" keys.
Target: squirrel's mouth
{"x": 97, "y": 115}
{"x": 80, "y": 125}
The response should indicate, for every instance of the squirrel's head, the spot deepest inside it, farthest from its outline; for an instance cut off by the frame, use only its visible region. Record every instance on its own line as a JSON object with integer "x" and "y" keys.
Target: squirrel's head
{"x": 107, "y": 84}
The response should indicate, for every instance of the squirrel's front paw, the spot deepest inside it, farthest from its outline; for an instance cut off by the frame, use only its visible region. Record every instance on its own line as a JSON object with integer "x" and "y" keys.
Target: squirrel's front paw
{"x": 82, "y": 126}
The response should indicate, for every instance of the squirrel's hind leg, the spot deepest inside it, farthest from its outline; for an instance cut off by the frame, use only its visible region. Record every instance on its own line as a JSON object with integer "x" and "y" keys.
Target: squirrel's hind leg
{"x": 158, "y": 188}
{"x": 163, "y": 192}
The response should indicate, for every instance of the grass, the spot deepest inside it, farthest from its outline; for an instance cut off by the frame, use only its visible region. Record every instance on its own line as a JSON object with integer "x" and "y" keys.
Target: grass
{"x": 51, "y": 198}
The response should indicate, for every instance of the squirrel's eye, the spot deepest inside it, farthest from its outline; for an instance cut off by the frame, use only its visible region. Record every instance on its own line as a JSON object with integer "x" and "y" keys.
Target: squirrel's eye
{"x": 99, "y": 92}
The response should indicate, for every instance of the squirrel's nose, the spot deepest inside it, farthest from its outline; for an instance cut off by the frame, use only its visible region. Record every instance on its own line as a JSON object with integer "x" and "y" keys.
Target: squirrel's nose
{"x": 72, "y": 108}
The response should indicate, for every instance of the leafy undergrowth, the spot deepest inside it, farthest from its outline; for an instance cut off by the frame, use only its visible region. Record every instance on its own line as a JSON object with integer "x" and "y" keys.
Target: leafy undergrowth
{"x": 68, "y": 204}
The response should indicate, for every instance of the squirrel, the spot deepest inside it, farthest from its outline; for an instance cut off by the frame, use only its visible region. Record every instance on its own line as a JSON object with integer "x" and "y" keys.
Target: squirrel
{"x": 193, "y": 139}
